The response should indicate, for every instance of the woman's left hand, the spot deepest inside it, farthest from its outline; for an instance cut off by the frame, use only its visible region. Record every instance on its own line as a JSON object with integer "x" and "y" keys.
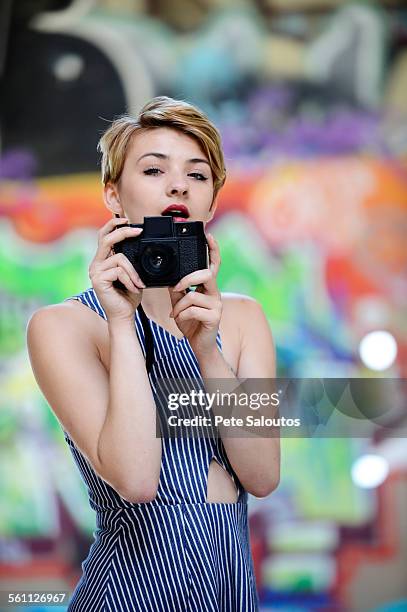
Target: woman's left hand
{"x": 197, "y": 313}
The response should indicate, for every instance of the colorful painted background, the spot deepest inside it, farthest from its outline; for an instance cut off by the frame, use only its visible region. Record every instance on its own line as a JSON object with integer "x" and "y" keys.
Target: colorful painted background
{"x": 310, "y": 99}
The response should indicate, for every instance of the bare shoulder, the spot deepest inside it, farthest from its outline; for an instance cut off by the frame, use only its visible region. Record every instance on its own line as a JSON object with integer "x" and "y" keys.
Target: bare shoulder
{"x": 236, "y": 298}
{"x": 66, "y": 312}
{"x": 237, "y": 307}
{"x": 245, "y": 315}
{"x": 70, "y": 317}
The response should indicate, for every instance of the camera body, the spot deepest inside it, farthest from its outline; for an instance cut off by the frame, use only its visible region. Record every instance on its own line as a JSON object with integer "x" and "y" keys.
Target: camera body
{"x": 165, "y": 251}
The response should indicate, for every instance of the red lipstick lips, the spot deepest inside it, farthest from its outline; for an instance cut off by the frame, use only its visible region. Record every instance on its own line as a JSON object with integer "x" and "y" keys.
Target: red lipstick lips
{"x": 173, "y": 209}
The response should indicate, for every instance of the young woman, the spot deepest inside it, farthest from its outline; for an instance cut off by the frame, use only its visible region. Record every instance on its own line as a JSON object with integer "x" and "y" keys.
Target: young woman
{"x": 171, "y": 514}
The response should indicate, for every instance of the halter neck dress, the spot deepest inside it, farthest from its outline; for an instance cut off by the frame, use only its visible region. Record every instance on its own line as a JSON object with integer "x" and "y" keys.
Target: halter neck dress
{"x": 177, "y": 553}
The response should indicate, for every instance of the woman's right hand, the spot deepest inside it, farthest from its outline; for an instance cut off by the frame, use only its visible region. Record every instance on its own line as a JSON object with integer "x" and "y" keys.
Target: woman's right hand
{"x": 107, "y": 267}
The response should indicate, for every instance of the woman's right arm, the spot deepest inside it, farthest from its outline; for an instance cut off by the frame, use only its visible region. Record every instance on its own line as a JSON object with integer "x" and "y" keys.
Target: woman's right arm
{"x": 111, "y": 417}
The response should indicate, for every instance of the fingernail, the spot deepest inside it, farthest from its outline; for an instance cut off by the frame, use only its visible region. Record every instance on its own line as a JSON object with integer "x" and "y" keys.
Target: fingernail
{"x": 171, "y": 315}
{"x": 176, "y": 288}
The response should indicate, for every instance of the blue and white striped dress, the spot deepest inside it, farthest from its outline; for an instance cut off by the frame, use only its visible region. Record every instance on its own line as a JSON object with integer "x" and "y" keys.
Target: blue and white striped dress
{"x": 178, "y": 552}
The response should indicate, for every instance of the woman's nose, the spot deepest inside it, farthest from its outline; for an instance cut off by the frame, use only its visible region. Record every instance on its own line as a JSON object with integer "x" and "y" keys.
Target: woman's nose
{"x": 175, "y": 190}
{"x": 177, "y": 186}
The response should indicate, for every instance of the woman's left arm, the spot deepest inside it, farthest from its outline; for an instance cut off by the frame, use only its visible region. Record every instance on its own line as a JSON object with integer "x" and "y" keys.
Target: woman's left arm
{"x": 255, "y": 460}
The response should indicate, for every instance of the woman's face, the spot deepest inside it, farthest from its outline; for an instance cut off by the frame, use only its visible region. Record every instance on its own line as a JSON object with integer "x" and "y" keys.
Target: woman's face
{"x": 163, "y": 167}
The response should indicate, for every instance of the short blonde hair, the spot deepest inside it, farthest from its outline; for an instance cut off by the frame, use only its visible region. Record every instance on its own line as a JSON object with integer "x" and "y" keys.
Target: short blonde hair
{"x": 162, "y": 112}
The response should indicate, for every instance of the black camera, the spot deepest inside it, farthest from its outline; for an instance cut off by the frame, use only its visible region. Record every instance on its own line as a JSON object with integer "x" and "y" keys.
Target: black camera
{"x": 165, "y": 251}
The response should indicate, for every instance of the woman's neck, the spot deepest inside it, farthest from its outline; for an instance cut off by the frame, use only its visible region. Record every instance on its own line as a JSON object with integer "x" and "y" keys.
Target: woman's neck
{"x": 156, "y": 303}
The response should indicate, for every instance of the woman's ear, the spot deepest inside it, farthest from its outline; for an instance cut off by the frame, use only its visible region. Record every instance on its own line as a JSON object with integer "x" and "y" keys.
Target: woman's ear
{"x": 111, "y": 198}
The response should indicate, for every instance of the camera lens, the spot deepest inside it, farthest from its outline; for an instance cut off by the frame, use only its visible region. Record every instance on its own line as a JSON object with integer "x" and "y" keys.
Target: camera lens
{"x": 158, "y": 260}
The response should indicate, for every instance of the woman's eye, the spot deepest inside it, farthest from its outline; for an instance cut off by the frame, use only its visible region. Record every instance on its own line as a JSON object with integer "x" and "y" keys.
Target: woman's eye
{"x": 198, "y": 176}
{"x": 156, "y": 171}
{"x": 153, "y": 171}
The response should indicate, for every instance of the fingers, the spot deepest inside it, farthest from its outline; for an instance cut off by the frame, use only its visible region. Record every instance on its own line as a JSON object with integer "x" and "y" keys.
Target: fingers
{"x": 105, "y": 267}
{"x": 200, "y": 277}
{"x": 108, "y": 227}
{"x": 109, "y": 234}
{"x": 195, "y": 313}
{"x": 175, "y": 296}
{"x": 120, "y": 260}
{"x": 106, "y": 277}
{"x": 195, "y": 299}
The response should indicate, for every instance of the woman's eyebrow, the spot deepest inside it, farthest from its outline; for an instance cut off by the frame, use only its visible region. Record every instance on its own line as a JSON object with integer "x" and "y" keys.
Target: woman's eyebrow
{"x": 159, "y": 155}
{"x": 193, "y": 160}
{"x": 196, "y": 160}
